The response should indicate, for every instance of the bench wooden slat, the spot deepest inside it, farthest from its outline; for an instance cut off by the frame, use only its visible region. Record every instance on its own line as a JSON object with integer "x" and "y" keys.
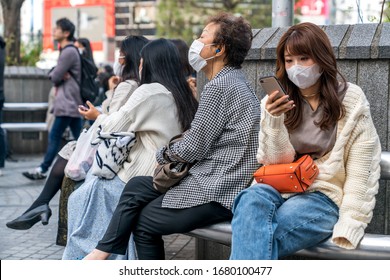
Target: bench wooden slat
{"x": 27, "y": 127}
{"x": 38, "y": 106}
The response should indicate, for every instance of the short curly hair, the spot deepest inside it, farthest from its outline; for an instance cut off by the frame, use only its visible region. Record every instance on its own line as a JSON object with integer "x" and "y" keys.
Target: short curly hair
{"x": 235, "y": 33}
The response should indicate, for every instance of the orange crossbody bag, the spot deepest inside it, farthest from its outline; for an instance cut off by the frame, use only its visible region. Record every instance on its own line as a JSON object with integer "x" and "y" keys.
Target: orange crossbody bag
{"x": 289, "y": 178}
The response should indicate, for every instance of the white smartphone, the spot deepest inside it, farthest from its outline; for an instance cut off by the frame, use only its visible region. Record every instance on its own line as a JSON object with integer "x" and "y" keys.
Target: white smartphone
{"x": 83, "y": 108}
{"x": 271, "y": 84}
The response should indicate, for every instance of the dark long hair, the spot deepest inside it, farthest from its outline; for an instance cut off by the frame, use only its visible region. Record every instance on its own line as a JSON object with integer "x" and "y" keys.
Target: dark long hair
{"x": 310, "y": 40}
{"x": 183, "y": 48}
{"x": 87, "y": 52}
{"x": 131, "y": 48}
{"x": 161, "y": 64}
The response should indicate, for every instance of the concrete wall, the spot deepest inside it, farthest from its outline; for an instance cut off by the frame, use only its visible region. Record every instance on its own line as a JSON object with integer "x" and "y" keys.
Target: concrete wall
{"x": 363, "y": 55}
{"x": 26, "y": 84}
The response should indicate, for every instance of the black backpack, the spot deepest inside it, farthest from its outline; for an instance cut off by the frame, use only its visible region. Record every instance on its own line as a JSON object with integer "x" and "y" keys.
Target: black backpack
{"x": 89, "y": 87}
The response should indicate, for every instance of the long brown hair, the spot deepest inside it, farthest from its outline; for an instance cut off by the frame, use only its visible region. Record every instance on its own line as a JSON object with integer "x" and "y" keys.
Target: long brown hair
{"x": 310, "y": 40}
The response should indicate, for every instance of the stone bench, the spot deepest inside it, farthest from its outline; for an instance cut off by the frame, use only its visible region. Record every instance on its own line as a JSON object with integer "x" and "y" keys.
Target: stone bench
{"x": 25, "y": 106}
{"x": 25, "y": 126}
{"x": 372, "y": 246}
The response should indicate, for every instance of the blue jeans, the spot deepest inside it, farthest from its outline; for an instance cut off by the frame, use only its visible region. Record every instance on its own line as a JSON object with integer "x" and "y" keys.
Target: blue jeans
{"x": 266, "y": 226}
{"x": 59, "y": 126}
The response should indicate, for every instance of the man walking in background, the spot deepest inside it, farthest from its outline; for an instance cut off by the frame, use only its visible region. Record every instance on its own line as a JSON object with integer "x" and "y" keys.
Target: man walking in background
{"x": 67, "y": 95}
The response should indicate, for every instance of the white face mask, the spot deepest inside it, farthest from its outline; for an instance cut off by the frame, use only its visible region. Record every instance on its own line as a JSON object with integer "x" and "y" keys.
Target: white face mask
{"x": 117, "y": 68}
{"x": 196, "y": 61}
{"x": 304, "y": 76}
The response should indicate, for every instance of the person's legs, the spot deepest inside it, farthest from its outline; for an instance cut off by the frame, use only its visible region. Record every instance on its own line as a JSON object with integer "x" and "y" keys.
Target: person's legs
{"x": 155, "y": 221}
{"x": 53, "y": 183}
{"x": 304, "y": 221}
{"x": 76, "y": 124}
{"x": 254, "y": 223}
{"x": 40, "y": 210}
{"x": 59, "y": 126}
{"x": 137, "y": 193}
{"x": 267, "y": 227}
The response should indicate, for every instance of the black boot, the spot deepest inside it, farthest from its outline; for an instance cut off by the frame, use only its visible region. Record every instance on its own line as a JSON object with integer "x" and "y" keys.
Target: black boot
{"x": 30, "y": 218}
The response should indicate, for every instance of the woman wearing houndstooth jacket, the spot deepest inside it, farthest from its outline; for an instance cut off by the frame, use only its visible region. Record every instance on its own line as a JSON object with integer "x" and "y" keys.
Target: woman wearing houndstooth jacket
{"x": 221, "y": 144}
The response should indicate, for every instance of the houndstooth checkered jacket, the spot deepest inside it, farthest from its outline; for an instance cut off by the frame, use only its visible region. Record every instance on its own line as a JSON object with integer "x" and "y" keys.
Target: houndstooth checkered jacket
{"x": 223, "y": 142}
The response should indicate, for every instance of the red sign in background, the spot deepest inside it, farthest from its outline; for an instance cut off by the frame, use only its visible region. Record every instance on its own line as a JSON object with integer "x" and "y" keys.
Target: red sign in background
{"x": 312, "y": 7}
{"x": 49, "y": 5}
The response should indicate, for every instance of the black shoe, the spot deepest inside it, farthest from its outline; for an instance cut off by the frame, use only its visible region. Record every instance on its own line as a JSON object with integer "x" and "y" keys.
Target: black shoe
{"x": 30, "y": 218}
{"x": 35, "y": 174}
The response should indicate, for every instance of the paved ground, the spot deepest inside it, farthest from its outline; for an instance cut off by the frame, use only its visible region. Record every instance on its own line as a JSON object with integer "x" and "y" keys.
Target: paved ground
{"x": 16, "y": 195}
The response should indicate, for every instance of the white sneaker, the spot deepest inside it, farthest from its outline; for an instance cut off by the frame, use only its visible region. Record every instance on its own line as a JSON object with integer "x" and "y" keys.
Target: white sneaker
{"x": 1, "y": 172}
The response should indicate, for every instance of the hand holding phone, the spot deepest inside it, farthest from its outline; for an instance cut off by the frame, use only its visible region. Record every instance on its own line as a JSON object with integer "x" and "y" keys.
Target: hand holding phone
{"x": 83, "y": 108}
{"x": 271, "y": 84}
{"x": 273, "y": 88}
{"x": 88, "y": 111}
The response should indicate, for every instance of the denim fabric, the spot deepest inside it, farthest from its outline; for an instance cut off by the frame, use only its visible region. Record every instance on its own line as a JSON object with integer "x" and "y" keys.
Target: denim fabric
{"x": 266, "y": 226}
{"x": 55, "y": 135}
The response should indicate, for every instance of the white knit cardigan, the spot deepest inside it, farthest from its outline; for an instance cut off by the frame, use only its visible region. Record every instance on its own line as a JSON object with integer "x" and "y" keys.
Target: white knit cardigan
{"x": 115, "y": 99}
{"x": 349, "y": 173}
{"x": 118, "y": 96}
{"x": 151, "y": 113}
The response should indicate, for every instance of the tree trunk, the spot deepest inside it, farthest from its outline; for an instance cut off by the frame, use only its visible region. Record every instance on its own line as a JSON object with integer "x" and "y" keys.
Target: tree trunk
{"x": 11, "y": 15}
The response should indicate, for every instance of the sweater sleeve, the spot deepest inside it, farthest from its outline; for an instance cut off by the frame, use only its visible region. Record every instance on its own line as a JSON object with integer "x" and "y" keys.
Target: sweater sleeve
{"x": 122, "y": 119}
{"x": 121, "y": 94}
{"x": 274, "y": 143}
{"x": 66, "y": 60}
{"x": 136, "y": 114}
{"x": 361, "y": 185}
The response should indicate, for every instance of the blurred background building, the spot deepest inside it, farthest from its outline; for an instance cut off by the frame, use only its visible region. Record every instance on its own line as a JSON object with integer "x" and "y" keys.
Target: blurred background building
{"x": 106, "y": 22}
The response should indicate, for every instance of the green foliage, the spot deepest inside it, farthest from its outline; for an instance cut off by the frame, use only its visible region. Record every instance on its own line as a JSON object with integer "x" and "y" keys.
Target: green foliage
{"x": 185, "y": 19}
{"x": 8, "y": 59}
{"x": 386, "y": 13}
{"x": 174, "y": 19}
{"x": 29, "y": 53}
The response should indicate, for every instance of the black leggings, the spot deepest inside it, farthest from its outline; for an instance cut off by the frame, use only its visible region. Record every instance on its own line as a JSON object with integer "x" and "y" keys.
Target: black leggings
{"x": 52, "y": 185}
{"x": 140, "y": 211}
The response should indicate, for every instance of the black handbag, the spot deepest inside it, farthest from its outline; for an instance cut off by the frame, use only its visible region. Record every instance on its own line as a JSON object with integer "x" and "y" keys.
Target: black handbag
{"x": 169, "y": 174}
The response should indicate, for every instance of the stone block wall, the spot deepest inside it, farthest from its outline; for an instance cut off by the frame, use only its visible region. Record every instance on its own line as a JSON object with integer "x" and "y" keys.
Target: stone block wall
{"x": 26, "y": 84}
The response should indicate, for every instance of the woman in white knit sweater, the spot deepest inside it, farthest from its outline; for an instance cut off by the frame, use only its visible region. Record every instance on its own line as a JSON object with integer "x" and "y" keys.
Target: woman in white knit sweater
{"x": 329, "y": 120}
{"x": 160, "y": 108}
